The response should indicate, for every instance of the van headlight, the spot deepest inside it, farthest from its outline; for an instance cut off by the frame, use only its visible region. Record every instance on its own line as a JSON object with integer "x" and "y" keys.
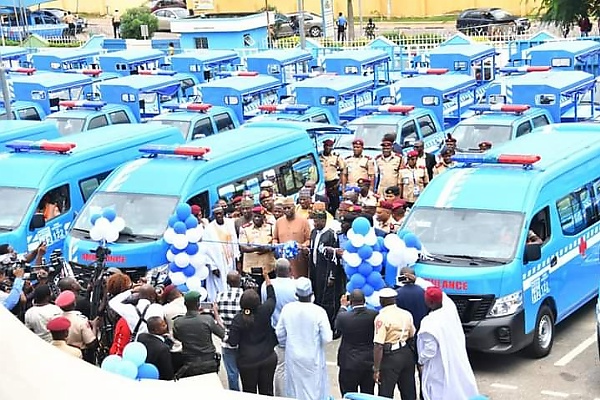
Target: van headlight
{"x": 507, "y": 305}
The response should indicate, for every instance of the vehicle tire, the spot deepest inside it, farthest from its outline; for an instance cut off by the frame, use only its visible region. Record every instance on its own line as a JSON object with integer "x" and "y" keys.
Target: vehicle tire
{"x": 543, "y": 334}
{"x": 314, "y": 31}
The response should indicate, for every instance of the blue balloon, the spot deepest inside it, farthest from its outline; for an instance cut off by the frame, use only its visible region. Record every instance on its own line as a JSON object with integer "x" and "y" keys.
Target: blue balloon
{"x": 183, "y": 211}
{"x": 365, "y": 269}
{"x": 349, "y": 270}
{"x": 191, "y": 222}
{"x": 179, "y": 227}
{"x": 192, "y": 249}
{"x": 380, "y": 284}
{"x": 349, "y": 287}
{"x": 183, "y": 288}
{"x": 358, "y": 281}
{"x": 361, "y": 226}
{"x": 365, "y": 252}
{"x": 377, "y": 246}
{"x": 368, "y": 290}
{"x": 189, "y": 271}
{"x": 175, "y": 250}
{"x": 349, "y": 248}
{"x": 391, "y": 273}
{"x": 109, "y": 214}
{"x": 173, "y": 220}
{"x": 94, "y": 218}
{"x": 147, "y": 371}
{"x": 374, "y": 278}
{"x": 378, "y": 268}
{"x": 173, "y": 267}
{"x": 128, "y": 369}
{"x": 411, "y": 240}
{"x": 111, "y": 363}
{"x": 403, "y": 233}
{"x": 136, "y": 353}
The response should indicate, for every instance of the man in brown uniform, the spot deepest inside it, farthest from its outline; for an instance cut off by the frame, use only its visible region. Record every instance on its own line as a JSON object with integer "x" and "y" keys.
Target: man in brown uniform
{"x": 246, "y": 214}
{"x": 393, "y": 356}
{"x": 388, "y": 165}
{"x": 359, "y": 165}
{"x": 383, "y": 218}
{"x": 445, "y": 163}
{"x": 413, "y": 178}
{"x": 293, "y": 227}
{"x": 256, "y": 239}
{"x": 333, "y": 167}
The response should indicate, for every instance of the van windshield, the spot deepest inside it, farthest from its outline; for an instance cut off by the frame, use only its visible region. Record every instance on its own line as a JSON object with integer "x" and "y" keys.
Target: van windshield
{"x": 14, "y": 203}
{"x": 477, "y": 235}
{"x": 145, "y": 215}
{"x": 468, "y": 137}
{"x": 371, "y": 134}
{"x": 183, "y": 126}
{"x": 68, "y": 125}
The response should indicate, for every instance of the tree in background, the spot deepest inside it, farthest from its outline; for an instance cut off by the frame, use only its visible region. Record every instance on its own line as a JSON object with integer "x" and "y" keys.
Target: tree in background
{"x": 564, "y": 13}
{"x": 133, "y": 19}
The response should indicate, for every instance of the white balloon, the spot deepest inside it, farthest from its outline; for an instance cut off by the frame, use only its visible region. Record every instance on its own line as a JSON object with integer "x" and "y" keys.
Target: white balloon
{"x": 203, "y": 294}
{"x": 118, "y": 224}
{"x": 376, "y": 259}
{"x": 95, "y": 234}
{"x": 201, "y": 273}
{"x": 102, "y": 224}
{"x": 373, "y": 299}
{"x": 112, "y": 235}
{"x": 352, "y": 259}
{"x": 194, "y": 283}
{"x": 194, "y": 235}
{"x": 169, "y": 235}
{"x": 170, "y": 256}
{"x": 396, "y": 258}
{"x": 177, "y": 278}
{"x": 182, "y": 259}
{"x": 357, "y": 240}
{"x": 198, "y": 260}
{"x": 180, "y": 242}
{"x": 393, "y": 242}
{"x": 411, "y": 256}
{"x": 371, "y": 238}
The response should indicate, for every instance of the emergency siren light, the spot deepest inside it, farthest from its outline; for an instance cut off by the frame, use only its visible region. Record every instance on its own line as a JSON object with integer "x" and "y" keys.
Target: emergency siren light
{"x": 202, "y": 107}
{"x": 512, "y": 108}
{"x": 313, "y": 74}
{"x": 525, "y": 68}
{"x": 22, "y": 70}
{"x": 87, "y": 72}
{"x": 389, "y": 108}
{"x": 425, "y": 71}
{"x": 237, "y": 73}
{"x": 90, "y": 104}
{"x": 28, "y": 145}
{"x": 188, "y": 151}
{"x": 507, "y": 159}
{"x": 283, "y": 107}
{"x": 162, "y": 72}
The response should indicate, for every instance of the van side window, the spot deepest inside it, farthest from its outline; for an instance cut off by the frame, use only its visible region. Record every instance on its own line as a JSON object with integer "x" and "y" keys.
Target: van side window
{"x": 55, "y": 202}
{"x": 321, "y": 118}
{"x": 524, "y": 129}
{"x": 578, "y": 210}
{"x": 29, "y": 114}
{"x": 223, "y": 122}
{"x": 596, "y": 193}
{"x": 540, "y": 120}
{"x": 119, "y": 117}
{"x": 201, "y": 200}
{"x": 426, "y": 124}
{"x": 294, "y": 174}
{"x": 202, "y": 128}
{"x": 409, "y": 131}
{"x": 98, "y": 122}
{"x": 540, "y": 224}
{"x": 87, "y": 186}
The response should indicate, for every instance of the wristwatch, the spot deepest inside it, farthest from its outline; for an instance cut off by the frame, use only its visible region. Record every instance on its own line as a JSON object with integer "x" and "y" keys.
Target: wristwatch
{"x": 375, "y": 369}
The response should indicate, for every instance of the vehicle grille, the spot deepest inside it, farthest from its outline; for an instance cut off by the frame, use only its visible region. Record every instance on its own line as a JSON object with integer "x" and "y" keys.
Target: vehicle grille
{"x": 84, "y": 273}
{"x": 472, "y": 308}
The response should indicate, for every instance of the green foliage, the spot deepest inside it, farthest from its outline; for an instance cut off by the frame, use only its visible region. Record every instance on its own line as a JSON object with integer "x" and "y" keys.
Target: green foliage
{"x": 74, "y": 43}
{"x": 133, "y": 19}
{"x": 565, "y": 12}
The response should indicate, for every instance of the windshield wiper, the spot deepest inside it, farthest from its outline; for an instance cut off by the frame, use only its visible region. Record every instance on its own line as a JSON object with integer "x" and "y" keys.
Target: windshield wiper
{"x": 474, "y": 259}
{"x": 5, "y": 229}
{"x": 137, "y": 236}
{"x": 435, "y": 257}
{"x": 80, "y": 230}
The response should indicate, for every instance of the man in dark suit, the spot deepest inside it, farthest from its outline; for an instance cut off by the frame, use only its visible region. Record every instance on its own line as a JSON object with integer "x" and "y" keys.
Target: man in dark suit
{"x": 426, "y": 160}
{"x": 355, "y": 354}
{"x": 159, "y": 352}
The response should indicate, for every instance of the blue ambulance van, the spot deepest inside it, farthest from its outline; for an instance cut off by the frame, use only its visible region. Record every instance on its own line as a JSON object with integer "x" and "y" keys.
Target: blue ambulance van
{"x": 201, "y": 172}
{"x": 26, "y": 130}
{"x": 512, "y": 236}
{"x": 60, "y": 175}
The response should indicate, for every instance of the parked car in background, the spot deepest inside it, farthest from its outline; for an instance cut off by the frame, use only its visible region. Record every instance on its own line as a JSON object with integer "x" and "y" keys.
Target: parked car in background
{"x": 485, "y": 21}
{"x": 166, "y": 15}
{"x": 283, "y": 25}
{"x": 59, "y": 13}
{"x": 158, "y": 4}
{"x": 313, "y": 23}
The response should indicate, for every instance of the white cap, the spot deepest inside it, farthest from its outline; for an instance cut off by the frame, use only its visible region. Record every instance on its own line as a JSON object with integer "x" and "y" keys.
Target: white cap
{"x": 370, "y": 202}
{"x": 387, "y": 293}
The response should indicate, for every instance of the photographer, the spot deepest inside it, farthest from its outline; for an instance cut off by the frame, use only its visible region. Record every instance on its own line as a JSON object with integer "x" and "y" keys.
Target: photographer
{"x": 9, "y": 256}
{"x": 11, "y": 298}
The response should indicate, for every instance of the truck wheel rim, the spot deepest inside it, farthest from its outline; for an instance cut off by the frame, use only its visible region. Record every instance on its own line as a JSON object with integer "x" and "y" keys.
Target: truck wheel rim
{"x": 545, "y": 332}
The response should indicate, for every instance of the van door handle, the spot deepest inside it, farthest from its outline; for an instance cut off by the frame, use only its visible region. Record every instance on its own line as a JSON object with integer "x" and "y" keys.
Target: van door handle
{"x": 553, "y": 261}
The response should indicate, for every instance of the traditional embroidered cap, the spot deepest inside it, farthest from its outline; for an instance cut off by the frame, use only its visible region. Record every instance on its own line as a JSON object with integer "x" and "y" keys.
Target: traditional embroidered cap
{"x": 413, "y": 153}
{"x": 65, "y": 299}
{"x": 58, "y": 324}
{"x": 279, "y": 200}
{"x": 433, "y": 294}
{"x": 328, "y": 142}
{"x": 387, "y": 293}
{"x": 358, "y": 141}
{"x": 258, "y": 210}
{"x": 217, "y": 208}
{"x": 288, "y": 201}
{"x": 304, "y": 192}
{"x": 303, "y": 287}
{"x": 196, "y": 210}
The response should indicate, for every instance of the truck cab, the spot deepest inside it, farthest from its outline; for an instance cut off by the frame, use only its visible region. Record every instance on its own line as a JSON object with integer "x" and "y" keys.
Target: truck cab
{"x": 23, "y": 110}
{"x": 84, "y": 115}
{"x": 293, "y": 112}
{"x": 282, "y": 64}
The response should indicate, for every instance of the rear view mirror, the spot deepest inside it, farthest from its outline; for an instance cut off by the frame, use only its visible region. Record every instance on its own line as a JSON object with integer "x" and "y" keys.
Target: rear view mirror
{"x": 533, "y": 252}
{"x": 37, "y": 222}
{"x": 408, "y": 143}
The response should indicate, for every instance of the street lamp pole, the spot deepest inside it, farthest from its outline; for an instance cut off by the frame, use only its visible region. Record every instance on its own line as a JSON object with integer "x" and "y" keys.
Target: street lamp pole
{"x": 301, "y": 24}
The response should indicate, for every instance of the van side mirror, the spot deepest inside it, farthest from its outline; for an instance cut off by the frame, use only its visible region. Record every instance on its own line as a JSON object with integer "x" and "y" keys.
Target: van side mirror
{"x": 37, "y": 222}
{"x": 533, "y": 252}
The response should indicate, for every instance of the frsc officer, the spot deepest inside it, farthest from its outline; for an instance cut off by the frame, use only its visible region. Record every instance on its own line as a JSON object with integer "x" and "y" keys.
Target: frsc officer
{"x": 393, "y": 354}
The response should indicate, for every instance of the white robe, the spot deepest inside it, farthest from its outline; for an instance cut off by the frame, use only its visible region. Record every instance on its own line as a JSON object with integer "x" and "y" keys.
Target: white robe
{"x": 304, "y": 330}
{"x": 447, "y": 373}
{"x": 221, "y": 256}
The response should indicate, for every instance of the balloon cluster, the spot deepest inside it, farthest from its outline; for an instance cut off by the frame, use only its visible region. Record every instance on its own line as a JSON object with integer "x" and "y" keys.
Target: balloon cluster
{"x": 106, "y": 226}
{"x": 363, "y": 260}
{"x": 187, "y": 265}
{"x": 288, "y": 249}
{"x": 402, "y": 250}
{"x": 133, "y": 364}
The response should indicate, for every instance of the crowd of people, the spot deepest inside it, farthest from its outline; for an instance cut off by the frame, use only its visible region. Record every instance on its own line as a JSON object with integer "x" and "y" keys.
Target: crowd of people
{"x": 274, "y": 316}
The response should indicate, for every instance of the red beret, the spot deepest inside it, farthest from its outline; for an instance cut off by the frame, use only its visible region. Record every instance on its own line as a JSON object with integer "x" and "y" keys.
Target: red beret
{"x": 237, "y": 199}
{"x": 400, "y": 203}
{"x": 433, "y": 294}
{"x": 363, "y": 181}
{"x": 387, "y": 205}
{"x": 328, "y": 142}
{"x": 168, "y": 289}
{"x": 258, "y": 210}
{"x": 355, "y": 209}
{"x": 358, "y": 141}
{"x": 65, "y": 298}
{"x": 58, "y": 324}
{"x": 485, "y": 143}
{"x": 413, "y": 153}
{"x": 196, "y": 209}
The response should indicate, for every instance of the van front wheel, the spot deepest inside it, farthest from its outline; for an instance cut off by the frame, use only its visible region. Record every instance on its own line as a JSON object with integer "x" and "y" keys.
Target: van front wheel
{"x": 543, "y": 335}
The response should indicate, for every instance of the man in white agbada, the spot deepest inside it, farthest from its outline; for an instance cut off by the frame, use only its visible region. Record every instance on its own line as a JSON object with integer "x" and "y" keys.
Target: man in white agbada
{"x": 222, "y": 251}
{"x": 304, "y": 330}
{"x": 447, "y": 373}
